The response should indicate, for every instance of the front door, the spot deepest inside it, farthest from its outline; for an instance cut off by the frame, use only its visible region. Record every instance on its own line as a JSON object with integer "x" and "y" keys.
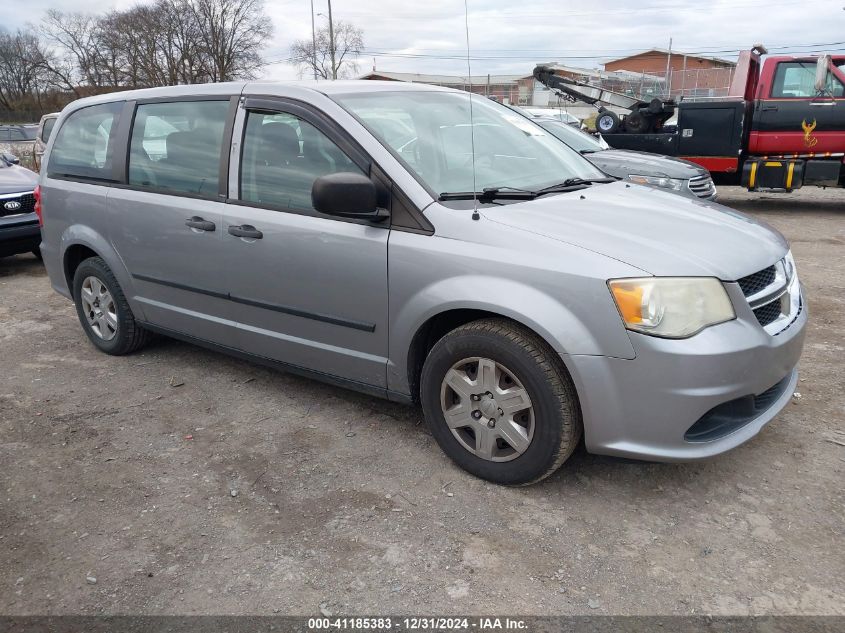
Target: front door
{"x": 167, "y": 224}
{"x": 793, "y": 118}
{"x": 308, "y": 289}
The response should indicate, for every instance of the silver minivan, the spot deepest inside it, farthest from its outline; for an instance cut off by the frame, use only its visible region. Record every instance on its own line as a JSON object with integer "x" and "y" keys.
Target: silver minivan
{"x": 427, "y": 247}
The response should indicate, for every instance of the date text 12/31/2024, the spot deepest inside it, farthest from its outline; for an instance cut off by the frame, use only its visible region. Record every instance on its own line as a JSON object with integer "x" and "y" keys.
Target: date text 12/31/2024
{"x": 375, "y": 624}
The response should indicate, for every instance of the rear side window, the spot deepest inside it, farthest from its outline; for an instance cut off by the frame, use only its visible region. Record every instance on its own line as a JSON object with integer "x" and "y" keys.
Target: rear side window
{"x": 282, "y": 157}
{"x": 176, "y": 146}
{"x": 84, "y": 147}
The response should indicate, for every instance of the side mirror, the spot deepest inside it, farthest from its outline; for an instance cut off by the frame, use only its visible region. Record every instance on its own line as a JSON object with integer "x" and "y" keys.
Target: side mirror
{"x": 11, "y": 159}
{"x": 347, "y": 195}
{"x": 822, "y": 64}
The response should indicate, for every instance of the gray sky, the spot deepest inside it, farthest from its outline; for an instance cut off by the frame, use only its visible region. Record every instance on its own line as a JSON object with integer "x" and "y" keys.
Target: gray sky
{"x": 514, "y": 35}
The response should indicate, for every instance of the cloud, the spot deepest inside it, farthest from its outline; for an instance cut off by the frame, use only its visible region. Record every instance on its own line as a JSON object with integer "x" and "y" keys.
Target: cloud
{"x": 514, "y": 36}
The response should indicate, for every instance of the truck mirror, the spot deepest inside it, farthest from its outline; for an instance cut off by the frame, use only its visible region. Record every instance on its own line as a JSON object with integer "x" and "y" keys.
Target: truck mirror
{"x": 822, "y": 65}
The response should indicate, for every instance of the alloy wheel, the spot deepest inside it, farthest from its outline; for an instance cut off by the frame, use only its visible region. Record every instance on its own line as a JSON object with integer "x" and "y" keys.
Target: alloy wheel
{"x": 99, "y": 308}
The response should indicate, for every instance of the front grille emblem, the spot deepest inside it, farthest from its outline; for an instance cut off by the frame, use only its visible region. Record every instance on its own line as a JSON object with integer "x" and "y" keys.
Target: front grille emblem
{"x": 12, "y": 205}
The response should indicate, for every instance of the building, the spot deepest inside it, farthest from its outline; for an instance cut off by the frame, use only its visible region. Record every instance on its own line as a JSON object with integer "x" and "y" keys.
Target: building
{"x": 510, "y": 89}
{"x": 687, "y": 75}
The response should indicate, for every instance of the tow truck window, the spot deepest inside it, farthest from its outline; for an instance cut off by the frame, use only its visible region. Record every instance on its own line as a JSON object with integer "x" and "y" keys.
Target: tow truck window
{"x": 796, "y": 80}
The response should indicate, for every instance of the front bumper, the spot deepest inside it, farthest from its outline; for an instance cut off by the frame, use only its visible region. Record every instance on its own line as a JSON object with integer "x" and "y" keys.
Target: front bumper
{"x": 19, "y": 237}
{"x": 642, "y": 408}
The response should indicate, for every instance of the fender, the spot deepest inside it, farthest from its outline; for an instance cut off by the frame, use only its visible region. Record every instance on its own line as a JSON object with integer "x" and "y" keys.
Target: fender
{"x": 549, "y": 316}
{"x": 82, "y": 235}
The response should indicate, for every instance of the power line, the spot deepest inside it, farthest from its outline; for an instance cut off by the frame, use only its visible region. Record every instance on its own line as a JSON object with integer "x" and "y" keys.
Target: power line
{"x": 492, "y": 15}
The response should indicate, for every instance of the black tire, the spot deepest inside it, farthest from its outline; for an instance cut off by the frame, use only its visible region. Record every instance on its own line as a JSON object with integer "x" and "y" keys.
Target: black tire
{"x": 607, "y": 122}
{"x": 37, "y": 252}
{"x": 128, "y": 336}
{"x": 636, "y": 123}
{"x": 557, "y": 415}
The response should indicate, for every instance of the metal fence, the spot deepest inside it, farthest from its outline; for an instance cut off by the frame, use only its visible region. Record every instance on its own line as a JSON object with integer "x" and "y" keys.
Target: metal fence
{"x": 687, "y": 84}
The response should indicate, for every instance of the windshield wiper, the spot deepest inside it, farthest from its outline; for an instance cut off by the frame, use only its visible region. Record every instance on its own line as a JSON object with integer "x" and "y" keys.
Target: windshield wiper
{"x": 490, "y": 193}
{"x": 513, "y": 193}
{"x": 573, "y": 183}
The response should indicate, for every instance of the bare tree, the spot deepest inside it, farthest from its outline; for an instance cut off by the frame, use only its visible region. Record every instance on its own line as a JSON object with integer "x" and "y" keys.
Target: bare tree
{"x": 348, "y": 44}
{"x": 230, "y": 34}
{"x": 24, "y": 73}
{"x": 77, "y": 36}
{"x": 163, "y": 42}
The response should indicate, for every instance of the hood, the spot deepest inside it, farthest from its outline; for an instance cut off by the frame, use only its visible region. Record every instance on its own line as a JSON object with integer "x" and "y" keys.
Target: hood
{"x": 14, "y": 179}
{"x": 658, "y": 232}
{"x": 621, "y": 163}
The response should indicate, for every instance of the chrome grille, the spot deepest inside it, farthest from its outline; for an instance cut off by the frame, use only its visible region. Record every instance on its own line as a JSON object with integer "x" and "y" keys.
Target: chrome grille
{"x": 702, "y": 186}
{"x": 773, "y": 294}
{"x": 768, "y": 313}
{"x": 753, "y": 284}
{"x": 25, "y": 204}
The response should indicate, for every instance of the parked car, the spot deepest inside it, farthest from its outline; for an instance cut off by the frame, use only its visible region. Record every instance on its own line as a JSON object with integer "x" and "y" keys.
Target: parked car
{"x": 45, "y": 128}
{"x": 498, "y": 278}
{"x": 19, "y": 231}
{"x": 552, "y": 113}
{"x": 673, "y": 174}
{"x": 17, "y": 133}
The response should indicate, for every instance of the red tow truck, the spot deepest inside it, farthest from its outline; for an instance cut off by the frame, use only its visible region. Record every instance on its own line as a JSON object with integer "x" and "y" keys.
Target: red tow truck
{"x": 782, "y": 125}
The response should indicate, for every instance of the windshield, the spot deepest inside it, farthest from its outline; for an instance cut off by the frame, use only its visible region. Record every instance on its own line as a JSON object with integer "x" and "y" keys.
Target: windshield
{"x": 576, "y": 139}
{"x": 431, "y": 133}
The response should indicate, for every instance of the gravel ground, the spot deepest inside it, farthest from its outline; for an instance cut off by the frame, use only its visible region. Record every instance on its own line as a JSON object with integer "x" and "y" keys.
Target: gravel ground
{"x": 182, "y": 481}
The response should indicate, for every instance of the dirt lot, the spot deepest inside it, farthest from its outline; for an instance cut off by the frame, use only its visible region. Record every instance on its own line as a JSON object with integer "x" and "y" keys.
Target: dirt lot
{"x": 244, "y": 490}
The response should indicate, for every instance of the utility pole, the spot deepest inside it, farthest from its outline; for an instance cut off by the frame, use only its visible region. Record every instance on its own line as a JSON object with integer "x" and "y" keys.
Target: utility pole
{"x": 668, "y": 71}
{"x": 331, "y": 41}
{"x": 313, "y": 42}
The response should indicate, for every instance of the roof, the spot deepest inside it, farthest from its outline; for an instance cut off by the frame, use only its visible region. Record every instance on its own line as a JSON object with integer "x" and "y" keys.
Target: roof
{"x": 446, "y": 80}
{"x": 663, "y": 51}
{"x": 298, "y": 89}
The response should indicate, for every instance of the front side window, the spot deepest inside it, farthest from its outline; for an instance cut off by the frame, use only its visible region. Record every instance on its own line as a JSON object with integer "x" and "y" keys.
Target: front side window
{"x": 797, "y": 80}
{"x": 282, "y": 157}
{"x": 433, "y": 134}
{"x": 175, "y": 147}
{"x": 84, "y": 145}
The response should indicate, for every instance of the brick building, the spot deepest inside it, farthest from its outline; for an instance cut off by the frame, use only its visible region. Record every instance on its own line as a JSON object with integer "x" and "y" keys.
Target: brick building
{"x": 689, "y": 75}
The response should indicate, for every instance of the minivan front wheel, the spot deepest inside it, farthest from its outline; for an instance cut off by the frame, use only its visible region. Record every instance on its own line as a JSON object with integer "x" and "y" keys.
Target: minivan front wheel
{"x": 500, "y": 403}
{"x": 103, "y": 310}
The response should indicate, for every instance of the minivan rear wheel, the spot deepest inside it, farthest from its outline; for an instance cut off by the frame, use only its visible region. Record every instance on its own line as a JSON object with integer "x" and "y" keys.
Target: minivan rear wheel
{"x": 500, "y": 403}
{"x": 103, "y": 310}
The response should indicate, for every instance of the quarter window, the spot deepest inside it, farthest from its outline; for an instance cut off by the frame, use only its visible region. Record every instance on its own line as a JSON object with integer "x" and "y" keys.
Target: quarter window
{"x": 282, "y": 157}
{"x": 84, "y": 146}
{"x": 176, "y": 146}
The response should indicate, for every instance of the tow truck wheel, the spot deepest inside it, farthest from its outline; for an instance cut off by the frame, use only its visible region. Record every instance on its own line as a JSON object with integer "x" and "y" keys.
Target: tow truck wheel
{"x": 607, "y": 122}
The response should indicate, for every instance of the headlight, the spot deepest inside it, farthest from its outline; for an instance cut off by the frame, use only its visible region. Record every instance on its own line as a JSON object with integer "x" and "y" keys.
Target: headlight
{"x": 675, "y": 184}
{"x": 671, "y": 307}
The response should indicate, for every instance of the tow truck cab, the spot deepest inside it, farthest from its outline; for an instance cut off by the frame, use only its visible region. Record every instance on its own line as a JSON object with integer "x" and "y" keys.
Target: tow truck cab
{"x": 781, "y": 126}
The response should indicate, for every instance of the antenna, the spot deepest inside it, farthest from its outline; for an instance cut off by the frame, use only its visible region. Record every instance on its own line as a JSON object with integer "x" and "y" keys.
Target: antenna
{"x": 475, "y": 215}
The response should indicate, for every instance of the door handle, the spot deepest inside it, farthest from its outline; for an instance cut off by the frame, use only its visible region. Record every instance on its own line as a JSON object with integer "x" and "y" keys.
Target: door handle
{"x": 770, "y": 108}
{"x": 196, "y": 222}
{"x": 246, "y": 230}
